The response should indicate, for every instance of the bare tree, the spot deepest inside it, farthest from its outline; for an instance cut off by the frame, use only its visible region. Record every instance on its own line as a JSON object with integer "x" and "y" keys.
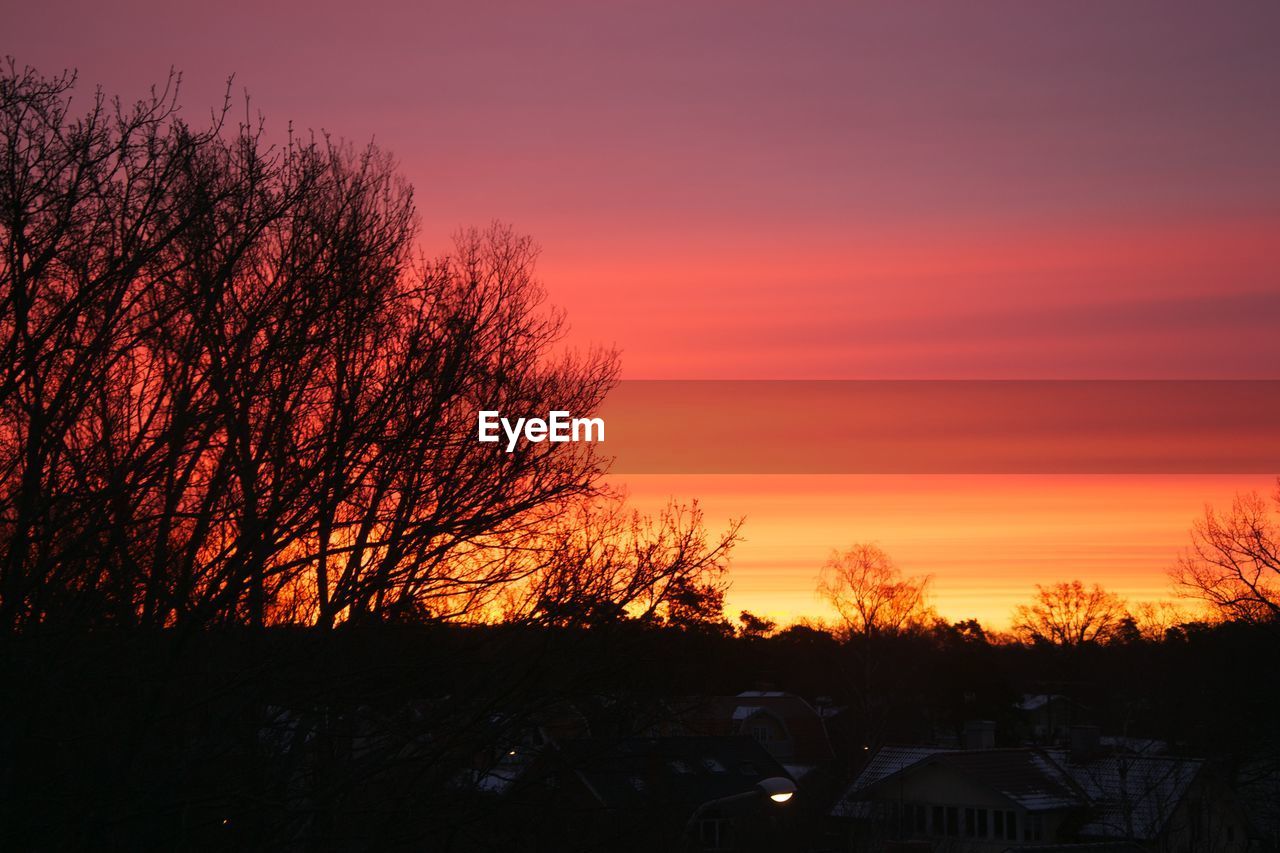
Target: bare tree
{"x": 1155, "y": 619}
{"x": 89, "y": 207}
{"x": 230, "y": 392}
{"x": 1069, "y": 614}
{"x": 870, "y": 593}
{"x": 1233, "y": 563}
{"x": 601, "y": 563}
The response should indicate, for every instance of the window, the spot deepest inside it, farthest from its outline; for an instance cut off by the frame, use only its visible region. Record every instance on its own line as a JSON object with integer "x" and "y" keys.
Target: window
{"x": 1033, "y": 828}
{"x": 715, "y": 833}
{"x": 912, "y": 818}
{"x": 760, "y": 733}
{"x": 956, "y": 821}
{"x": 975, "y": 822}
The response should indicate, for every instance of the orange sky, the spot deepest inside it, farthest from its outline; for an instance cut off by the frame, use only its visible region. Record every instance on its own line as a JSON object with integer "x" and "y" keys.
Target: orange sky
{"x": 743, "y": 189}
{"x": 986, "y": 540}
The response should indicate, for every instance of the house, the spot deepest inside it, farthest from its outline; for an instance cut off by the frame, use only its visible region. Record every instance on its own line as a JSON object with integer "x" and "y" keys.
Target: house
{"x": 516, "y": 744}
{"x": 1047, "y": 718}
{"x": 1258, "y": 785}
{"x": 672, "y": 793}
{"x": 996, "y": 800}
{"x": 788, "y": 727}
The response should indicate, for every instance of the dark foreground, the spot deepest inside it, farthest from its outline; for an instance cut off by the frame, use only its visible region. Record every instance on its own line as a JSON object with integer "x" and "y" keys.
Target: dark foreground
{"x": 617, "y": 738}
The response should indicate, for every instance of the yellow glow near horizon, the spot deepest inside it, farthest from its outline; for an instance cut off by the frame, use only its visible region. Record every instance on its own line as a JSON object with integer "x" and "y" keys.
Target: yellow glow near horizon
{"x": 986, "y": 540}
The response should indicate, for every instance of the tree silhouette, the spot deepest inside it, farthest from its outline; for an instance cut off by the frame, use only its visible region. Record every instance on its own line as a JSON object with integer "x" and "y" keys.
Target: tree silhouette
{"x": 1233, "y": 563}
{"x": 755, "y": 626}
{"x": 232, "y": 393}
{"x": 871, "y": 594}
{"x": 1070, "y": 614}
{"x": 600, "y": 563}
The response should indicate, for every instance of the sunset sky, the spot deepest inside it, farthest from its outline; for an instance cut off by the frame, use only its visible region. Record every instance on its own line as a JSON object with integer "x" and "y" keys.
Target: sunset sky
{"x": 821, "y": 191}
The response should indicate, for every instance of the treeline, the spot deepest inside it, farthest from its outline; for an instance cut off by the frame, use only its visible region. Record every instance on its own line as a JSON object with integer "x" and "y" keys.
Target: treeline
{"x": 1229, "y": 573}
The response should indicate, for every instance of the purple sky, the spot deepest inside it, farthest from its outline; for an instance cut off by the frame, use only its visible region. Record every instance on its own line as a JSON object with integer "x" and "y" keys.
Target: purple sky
{"x": 748, "y": 189}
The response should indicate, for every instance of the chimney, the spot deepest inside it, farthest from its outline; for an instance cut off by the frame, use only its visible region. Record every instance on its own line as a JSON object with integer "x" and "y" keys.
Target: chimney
{"x": 1085, "y": 743}
{"x": 979, "y": 734}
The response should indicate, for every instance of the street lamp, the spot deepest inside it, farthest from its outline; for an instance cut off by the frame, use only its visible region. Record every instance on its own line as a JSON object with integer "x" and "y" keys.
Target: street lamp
{"x": 779, "y": 789}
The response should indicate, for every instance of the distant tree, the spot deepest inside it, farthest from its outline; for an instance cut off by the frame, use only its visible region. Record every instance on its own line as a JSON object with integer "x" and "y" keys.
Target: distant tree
{"x": 870, "y": 593}
{"x": 599, "y": 562}
{"x": 1127, "y": 630}
{"x": 1156, "y": 619}
{"x": 695, "y": 605}
{"x": 1070, "y": 614}
{"x": 1233, "y": 563}
{"x": 968, "y": 630}
{"x": 755, "y": 626}
{"x": 807, "y": 634}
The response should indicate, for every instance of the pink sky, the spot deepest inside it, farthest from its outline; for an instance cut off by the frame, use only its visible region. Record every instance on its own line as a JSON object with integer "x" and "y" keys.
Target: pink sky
{"x": 822, "y": 190}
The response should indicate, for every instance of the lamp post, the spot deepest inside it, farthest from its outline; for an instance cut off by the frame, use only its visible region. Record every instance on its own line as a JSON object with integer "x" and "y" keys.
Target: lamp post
{"x": 779, "y": 789}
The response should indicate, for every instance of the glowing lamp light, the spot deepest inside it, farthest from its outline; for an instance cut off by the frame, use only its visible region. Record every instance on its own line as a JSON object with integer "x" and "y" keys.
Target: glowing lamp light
{"x": 779, "y": 788}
